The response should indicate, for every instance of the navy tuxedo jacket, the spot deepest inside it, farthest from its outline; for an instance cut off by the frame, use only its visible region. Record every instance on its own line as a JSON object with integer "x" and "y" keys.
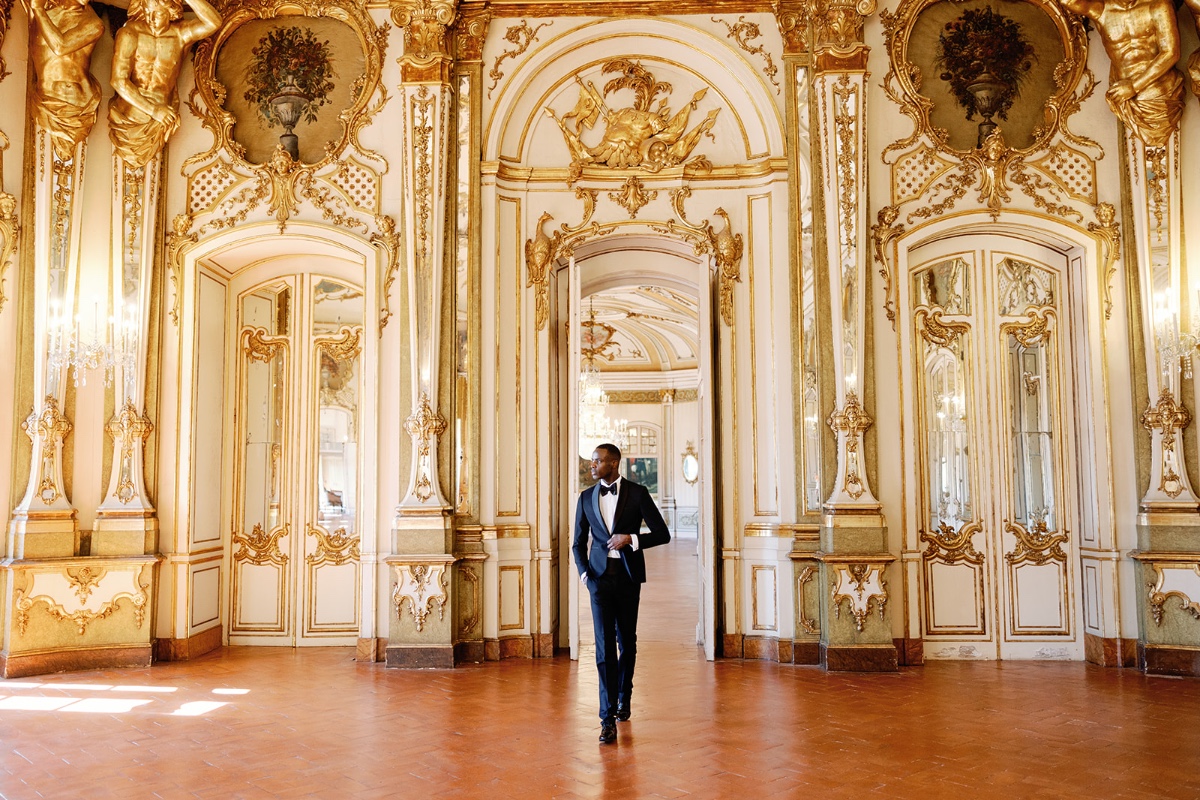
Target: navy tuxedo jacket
{"x": 634, "y": 506}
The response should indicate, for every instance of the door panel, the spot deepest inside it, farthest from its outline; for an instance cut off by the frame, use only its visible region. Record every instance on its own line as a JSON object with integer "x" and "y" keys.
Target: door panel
{"x": 296, "y": 578}
{"x": 989, "y": 402}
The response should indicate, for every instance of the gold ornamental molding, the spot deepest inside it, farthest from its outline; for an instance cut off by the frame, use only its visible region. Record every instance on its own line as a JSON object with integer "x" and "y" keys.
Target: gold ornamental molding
{"x": 810, "y": 625}
{"x": 10, "y": 229}
{"x": 335, "y": 548}
{"x": 637, "y": 137}
{"x": 1169, "y": 417}
{"x": 852, "y": 420}
{"x": 1037, "y": 545}
{"x": 632, "y": 196}
{"x": 129, "y": 430}
{"x": 426, "y": 54}
{"x": 472, "y": 588}
{"x": 422, "y": 586}
{"x": 951, "y": 546}
{"x": 1034, "y": 330}
{"x": 542, "y": 250}
{"x": 387, "y": 239}
{"x": 345, "y": 345}
{"x": 1055, "y": 170}
{"x": 1182, "y": 582}
{"x": 743, "y": 33}
{"x": 937, "y": 331}
{"x": 258, "y": 345}
{"x": 47, "y": 430}
{"x": 520, "y": 36}
{"x": 260, "y": 547}
{"x": 1108, "y": 231}
{"x": 423, "y": 425}
{"x": 725, "y": 246}
{"x": 6, "y": 7}
{"x": 883, "y": 235}
{"x": 109, "y": 585}
{"x": 862, "y": 585}
{"x": 178, "y": 239}
{"x": 470, "y": 32}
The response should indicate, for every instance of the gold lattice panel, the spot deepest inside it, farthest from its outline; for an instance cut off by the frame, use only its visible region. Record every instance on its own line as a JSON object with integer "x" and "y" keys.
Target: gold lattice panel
{"x": 358, "y": 183}
{"x": 1071, "y": 170}
{"x": 914, "y": 171}
{"x": 207, "y": 186}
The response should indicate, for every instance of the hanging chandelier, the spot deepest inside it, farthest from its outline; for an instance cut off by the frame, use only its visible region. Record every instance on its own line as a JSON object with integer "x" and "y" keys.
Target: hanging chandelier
{"x": 595, "y": 427}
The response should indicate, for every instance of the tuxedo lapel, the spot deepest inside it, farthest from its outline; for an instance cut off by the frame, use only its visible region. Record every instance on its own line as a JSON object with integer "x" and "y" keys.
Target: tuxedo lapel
{"x": 594, "y": 502}
{"x": 622, "y": 500}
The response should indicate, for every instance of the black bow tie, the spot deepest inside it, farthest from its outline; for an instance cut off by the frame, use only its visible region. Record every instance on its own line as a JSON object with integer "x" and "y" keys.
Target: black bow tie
{"x": 612, "y": 487}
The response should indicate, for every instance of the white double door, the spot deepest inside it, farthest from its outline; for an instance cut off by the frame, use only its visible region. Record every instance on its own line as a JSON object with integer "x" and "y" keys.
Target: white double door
{"x": 296, "y": 399}
{"x": 992, "y": 393}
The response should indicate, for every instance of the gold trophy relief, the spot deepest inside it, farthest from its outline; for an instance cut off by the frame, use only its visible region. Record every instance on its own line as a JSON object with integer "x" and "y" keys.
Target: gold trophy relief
{"x": 646, "y": 135}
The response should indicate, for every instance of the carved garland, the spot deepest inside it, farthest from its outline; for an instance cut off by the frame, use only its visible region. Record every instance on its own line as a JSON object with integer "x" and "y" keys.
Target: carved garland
{"x": 853, "y": 421}
{"x": 47, "y": 430}
{"x": 950, "y": 546}
{"x": 743, "y": 32}
{"x": 1170, "y": 417}
{"x": 520, "y": 36}
{"x": 261, "y": 547}
{"x": 128, "y": 429}
{"x": 335, "y": 548}
{"x": 1036, "y": 545}
{"x": 84, "y": 581}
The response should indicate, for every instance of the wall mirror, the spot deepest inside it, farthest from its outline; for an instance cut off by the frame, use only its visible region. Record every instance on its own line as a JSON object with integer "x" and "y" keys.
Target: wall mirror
{"x": 691, "y": 464}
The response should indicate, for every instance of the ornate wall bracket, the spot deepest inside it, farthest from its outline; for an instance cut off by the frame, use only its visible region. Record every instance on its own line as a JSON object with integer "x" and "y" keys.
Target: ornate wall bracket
{"x": 387, "y": 239}
{"x": 862, "y": 585}
{"x": 1181, "y": 581}
{"x": 9, "y": 232}
{"x": 422, "y": 586}
{"x": 128, "y": 430}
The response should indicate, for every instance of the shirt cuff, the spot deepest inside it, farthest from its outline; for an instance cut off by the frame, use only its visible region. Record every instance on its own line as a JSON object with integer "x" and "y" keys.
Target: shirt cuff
{"x": 634, "y": 536}
{"x": 583, "y": 578}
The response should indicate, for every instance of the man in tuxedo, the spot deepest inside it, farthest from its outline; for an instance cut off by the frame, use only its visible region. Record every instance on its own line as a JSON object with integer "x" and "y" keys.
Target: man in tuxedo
{"x": 613, "y": 568}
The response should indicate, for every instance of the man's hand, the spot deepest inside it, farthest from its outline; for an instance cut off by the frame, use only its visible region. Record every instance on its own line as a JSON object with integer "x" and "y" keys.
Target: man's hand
{"x": 619, "y": 540}
{"x": 1121, "y": 91}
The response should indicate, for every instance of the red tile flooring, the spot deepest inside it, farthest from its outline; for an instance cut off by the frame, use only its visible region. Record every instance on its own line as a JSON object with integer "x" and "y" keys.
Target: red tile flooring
{"x": 313, "y": 723}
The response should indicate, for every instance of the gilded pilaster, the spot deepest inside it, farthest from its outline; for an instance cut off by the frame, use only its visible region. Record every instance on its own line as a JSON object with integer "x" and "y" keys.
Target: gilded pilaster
{"x": 855, "y": 629}
{"x": 423, "y": 557}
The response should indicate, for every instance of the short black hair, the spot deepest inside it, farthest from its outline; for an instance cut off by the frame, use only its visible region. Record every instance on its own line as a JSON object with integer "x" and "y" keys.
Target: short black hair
{"x": 611, "y": 449}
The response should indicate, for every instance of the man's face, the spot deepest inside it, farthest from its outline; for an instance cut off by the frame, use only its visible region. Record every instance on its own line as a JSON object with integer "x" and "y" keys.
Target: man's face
{"x": 604, "y": 466}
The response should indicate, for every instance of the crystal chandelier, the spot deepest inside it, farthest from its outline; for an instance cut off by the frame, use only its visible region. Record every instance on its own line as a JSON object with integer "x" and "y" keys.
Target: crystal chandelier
{"x": 72, "y": 348}
{"x": 595, "y": 427}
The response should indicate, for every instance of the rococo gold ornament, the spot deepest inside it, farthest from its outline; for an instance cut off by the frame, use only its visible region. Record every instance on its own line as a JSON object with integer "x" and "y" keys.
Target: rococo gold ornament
{"x": 635, "y": 137}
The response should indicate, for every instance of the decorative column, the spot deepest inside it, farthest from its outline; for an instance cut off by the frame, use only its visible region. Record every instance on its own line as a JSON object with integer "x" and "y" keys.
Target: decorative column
{"x": 64, "y": 98}
{"x": 422, "y": 533}
{"x": 856, "y": 633}
{"x": 667, "y": 462}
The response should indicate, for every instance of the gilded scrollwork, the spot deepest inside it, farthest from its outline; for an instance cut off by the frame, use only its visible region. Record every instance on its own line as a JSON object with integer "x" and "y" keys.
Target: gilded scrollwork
{"x": 47, "y": 430}
{"x": 861, "y": 585}
{"x": 10, "y": 230}
{"x": 632, "y": 196}
{"x": 950, "y": 546}
{"x": 520, "y": 36}
{"x": 425, "y": 23}
{"x": 636, "y": 137}
{"x": 937, "y": 331}
{"x": 1166, "y": 585}
{"x": 539, "y": 251}
{"x": 259, "y": 345}
{"x": 470, "y": 30}
{"x": 423, "y": 425}
{"x": 335, "y": 548}
{"x": 883, "y": 233}
{"x": 129, "y": 430}
{"x": 809, "y": 625}
{"x": 6, "y": 7}
{"x": 927, "y": 169}
{"x": 1036, "y": 545}
{"x": 725, "y": 246}
{"x": 387, "y": 238}
{"x": 1169, "y": 417}
{"x": 84, "y": 580}
{"x": 422, "y": 586}
{"x": 261, "y": 547}
{"x": 743, "y": 33}
{"x": 473, "y": 590}
{"x": 1034, "y": 329}
{"x": 853, "y": 421}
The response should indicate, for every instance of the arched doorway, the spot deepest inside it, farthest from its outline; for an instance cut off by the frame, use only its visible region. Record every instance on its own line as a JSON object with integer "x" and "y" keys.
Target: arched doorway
{"x": 655, "y": 299}
{"x": 990, "y": 325}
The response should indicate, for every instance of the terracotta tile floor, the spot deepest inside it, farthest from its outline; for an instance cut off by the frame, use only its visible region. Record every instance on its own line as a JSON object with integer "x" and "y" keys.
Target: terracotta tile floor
{"x": 313, "y": 723}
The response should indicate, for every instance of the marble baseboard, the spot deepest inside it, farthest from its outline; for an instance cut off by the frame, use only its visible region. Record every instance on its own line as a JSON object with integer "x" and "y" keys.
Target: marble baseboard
{"x": 1157, "y": 659}
{"x": 1110, "y": 652}
{"x": 731, "y": 645}
{"x": 516, "y": 647}
{"x": 193, "y": 646}
{"x": 26, "y": 664}
{"x": 543, "y": 645}
{"x": 410, "y": 657}
{"x": 910, "y": 652}
{"x": 862, "y": 658}
{"x": 371, "y": 651}
{"x": 470, "y": 652}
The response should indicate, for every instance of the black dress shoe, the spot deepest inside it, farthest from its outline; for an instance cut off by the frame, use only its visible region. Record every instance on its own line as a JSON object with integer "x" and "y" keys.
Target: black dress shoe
{"x": 623, "y": 712}
{"x": 608, "y": 731}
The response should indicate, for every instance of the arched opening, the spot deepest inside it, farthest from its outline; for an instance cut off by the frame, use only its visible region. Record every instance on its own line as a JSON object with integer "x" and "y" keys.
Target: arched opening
{"x": 641, "y": 308}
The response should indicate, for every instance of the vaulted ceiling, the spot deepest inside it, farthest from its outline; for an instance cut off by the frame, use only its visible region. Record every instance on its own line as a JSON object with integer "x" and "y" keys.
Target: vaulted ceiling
{"x": 642, "y": 329}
